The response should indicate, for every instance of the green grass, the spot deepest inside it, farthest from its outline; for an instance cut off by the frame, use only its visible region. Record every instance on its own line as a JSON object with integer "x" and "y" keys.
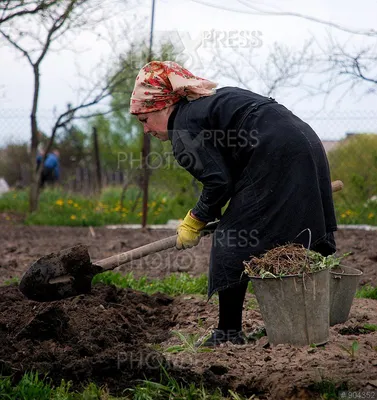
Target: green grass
{"x": 34, "y": 387}
{"x": 58, "y": 208}
{"x": 367, "y": 292}
{"x": 355, "y": 214}
{"x": 173, "y": 285}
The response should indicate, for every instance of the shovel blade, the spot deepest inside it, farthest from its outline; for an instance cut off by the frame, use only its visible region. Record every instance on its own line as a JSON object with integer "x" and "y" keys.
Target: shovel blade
{"x": 59, "y": 275}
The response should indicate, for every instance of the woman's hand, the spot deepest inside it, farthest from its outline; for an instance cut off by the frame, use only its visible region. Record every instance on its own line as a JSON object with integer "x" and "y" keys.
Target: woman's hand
{"x": 189, "y": 232}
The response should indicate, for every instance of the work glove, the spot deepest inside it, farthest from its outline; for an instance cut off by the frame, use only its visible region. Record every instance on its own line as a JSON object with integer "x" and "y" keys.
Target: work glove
{"x": 189, "y": 232}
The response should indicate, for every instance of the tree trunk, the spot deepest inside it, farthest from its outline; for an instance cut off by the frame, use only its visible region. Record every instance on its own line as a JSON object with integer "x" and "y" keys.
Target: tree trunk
{"x": 35, "y": 175}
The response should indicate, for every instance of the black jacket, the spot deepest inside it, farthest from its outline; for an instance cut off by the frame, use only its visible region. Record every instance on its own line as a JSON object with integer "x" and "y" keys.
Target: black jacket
{"x": 208, "y": 142}
{"x": 271, "y": 165}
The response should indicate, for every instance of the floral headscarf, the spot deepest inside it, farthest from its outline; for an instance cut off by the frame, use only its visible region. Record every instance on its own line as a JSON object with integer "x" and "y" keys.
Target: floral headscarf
{"x": 161, "y": 84}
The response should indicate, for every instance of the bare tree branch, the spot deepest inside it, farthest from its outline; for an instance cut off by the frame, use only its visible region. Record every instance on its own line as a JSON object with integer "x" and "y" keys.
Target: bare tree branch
{"x": 11, "y": 9}
{"x": 258, "y": 11}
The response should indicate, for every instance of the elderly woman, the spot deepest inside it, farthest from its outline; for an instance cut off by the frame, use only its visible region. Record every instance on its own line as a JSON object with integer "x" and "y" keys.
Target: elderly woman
{"x": 250, "y": 151}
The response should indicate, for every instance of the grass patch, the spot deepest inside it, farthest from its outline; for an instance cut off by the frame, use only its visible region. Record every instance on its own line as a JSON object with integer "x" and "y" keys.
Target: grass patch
{"x": 32, "y": 386}
{"x": 367, "y": 292}
{"x": 173, "y": 285}
{"x": 329, "y": 390}
{"x": 363, "y": 214}
{"x": 12, "y": 281}
{"x": 58, "y": 208}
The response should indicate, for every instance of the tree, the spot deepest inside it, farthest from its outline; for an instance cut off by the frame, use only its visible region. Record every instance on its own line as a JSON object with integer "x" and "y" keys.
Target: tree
{"x": 335, "y": 67}
{"x": 10, "y": 9}
{"x": 346, "y": 66}
{"x": 283, "y": 68}
{"x": 35, "y": 35}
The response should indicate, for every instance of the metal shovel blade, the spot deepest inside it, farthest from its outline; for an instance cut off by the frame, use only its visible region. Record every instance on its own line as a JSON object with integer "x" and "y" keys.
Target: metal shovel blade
{"x": 59, "y": 275}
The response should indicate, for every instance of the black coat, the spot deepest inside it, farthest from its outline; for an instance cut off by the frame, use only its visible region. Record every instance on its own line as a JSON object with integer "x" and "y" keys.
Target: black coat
{"x": 271, "y": 165}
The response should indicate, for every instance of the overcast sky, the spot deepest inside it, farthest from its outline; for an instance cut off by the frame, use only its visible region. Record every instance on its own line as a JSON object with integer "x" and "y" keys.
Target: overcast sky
{"x": 59, "y": 79}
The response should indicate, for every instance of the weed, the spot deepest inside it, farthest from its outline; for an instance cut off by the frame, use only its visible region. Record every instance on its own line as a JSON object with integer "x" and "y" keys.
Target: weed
{"x": 370, "y": 327}
{"x": 189, "y": 343}
{"x": 351, "y": 350}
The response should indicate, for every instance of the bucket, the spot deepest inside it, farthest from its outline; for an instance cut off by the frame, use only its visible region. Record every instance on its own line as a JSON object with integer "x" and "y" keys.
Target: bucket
{"x": 343, "y": 285}
{"x": 295, "y": 310}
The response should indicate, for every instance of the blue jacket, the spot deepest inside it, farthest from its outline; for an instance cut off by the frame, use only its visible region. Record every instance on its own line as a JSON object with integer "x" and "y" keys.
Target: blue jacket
{"x": 51, "y": 162}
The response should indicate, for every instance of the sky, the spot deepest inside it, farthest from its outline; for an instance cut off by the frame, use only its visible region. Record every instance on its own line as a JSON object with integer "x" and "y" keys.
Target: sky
{"x": 190, "y": 21}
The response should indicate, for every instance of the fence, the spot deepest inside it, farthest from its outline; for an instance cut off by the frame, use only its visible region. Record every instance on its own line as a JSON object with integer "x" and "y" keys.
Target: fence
{"x": 333, "y": 128}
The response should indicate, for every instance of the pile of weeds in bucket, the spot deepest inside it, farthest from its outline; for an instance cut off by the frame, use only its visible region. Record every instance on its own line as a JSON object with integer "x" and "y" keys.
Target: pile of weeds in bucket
{"x": 290, "y": 259}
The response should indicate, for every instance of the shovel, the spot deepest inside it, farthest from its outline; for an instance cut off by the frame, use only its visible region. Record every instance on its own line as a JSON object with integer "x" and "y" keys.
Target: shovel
{"x": 70, "y": 272}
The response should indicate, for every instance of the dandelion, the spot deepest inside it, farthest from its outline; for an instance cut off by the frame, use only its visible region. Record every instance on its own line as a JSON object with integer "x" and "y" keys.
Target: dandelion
{"x": 76, "y": 205}
{"x": 139, "y": 214}
{"x": 59, "y": 202}
{"x": 370, "y": 216}
{"x": 73, "y": 217}
{"x": 70, "y": 201}
{"x": 348, "y": 212}
{"x": 163, "y": 200}
{"x": 343, "y": 215}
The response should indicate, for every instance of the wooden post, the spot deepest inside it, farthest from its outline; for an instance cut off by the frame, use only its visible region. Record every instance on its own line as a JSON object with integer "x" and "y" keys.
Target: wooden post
{"x": 97, "y": 161}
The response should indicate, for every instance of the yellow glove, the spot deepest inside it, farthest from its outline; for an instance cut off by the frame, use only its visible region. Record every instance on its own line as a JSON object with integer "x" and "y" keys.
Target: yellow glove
{"x": 189, "y": 232}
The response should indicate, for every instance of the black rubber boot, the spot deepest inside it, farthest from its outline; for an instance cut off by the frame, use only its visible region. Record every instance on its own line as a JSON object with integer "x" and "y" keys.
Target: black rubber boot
{"x": 218, "y": 337}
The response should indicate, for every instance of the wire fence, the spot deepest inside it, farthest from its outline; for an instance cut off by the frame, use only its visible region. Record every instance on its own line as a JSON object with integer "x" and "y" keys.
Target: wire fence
{"x": 334, "y": 129}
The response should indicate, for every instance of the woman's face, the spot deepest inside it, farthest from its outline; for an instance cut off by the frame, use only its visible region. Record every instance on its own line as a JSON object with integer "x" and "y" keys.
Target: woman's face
{"x": 156, "y": 123}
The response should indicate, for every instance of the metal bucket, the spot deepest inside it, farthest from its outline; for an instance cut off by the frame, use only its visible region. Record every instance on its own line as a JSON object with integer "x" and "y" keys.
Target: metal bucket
{"x": 343, "y": 285}
{"x": 295, "y": 310}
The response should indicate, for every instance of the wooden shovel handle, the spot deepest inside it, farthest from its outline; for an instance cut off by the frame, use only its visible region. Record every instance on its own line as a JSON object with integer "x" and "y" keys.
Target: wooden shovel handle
{"x": 151, "y": 248}
{"x": 336, "y": 186}
{"x": 164, "y": 244}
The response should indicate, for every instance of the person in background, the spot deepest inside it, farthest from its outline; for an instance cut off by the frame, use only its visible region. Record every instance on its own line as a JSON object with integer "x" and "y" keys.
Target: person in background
{"x": 250, "y": 151}
{"x": 51, "y": 168}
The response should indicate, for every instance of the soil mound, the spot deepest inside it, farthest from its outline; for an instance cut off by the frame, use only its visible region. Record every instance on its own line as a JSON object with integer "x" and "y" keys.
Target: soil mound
{"x": 103, "y": 337}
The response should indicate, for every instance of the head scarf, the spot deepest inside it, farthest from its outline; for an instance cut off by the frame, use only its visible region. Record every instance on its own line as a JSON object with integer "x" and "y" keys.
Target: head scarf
{"x": 161, "y": 84}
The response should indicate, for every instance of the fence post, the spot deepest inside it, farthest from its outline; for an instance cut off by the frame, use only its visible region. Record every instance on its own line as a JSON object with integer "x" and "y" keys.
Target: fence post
{"x": 97, "y": 161}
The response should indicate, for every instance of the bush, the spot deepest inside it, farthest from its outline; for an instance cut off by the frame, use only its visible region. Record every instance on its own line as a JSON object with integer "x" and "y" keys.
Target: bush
{"x": 355, "y": 163}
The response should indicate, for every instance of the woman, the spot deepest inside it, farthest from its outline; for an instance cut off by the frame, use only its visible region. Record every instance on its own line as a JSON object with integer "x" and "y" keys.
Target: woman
{"x": 246, "y": 149}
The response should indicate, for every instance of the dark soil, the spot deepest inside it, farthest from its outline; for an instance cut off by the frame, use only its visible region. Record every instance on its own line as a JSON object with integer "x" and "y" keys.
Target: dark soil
{"x": 111, "y": 335}
{"x": 22, "y": 245}
{"x": 105, "y": 337}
